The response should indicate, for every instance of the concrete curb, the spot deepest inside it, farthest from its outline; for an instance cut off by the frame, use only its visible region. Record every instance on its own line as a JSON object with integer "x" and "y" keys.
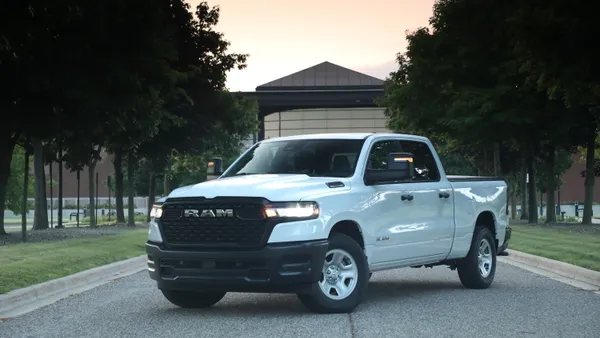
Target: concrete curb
{"x": 21, "y": 301}
{"x": 562, "y": 269}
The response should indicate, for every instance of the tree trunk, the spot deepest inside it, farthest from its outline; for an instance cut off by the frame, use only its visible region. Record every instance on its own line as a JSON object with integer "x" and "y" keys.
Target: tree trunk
{"x": 60, "y": 187}
{"x": 166, "y": 185}
{"x": 130, "y": 187}
{"x": 523, "y": 185}
{"x": 25, "y": 190}
{"x": 533, "y": 212}
{"x": 496, "y": 158}
{"x": 78, "y": 195}
{"x": 550, "y": 185}
{"x": 513, "y": 186}
{"x": 151, "y": 194}
{"x": 7, "y": 145}
{"x": 118, "y": 164}
{"x": 51, "y": 193}
{"x": 513, "y": 205}
{"x": 40, "y": 218}
{"x": 486, "y": 166}
{"x": 92, "y": 192}
{"x": 589, "y": 179}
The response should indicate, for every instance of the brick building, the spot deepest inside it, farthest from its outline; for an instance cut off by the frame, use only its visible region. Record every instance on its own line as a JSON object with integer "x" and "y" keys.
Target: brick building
{"x": 104, "y": 168}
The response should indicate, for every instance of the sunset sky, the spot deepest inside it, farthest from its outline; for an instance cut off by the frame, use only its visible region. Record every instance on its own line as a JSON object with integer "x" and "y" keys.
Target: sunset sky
{"x": 285, "y": 36}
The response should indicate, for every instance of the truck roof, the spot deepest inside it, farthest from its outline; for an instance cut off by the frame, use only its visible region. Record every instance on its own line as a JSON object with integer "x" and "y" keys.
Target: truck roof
{"x": 345, "y": 136}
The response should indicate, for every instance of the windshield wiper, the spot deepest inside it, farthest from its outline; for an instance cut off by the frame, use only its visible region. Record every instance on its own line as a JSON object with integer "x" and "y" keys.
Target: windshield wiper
{"x": 276, "y": 173}
{"x": 243, "y": 174}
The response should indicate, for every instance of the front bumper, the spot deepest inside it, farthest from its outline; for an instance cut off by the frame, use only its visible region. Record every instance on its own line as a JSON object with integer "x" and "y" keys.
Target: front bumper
{"x": 507, "y": 235}
{"x": 281, "y": 267}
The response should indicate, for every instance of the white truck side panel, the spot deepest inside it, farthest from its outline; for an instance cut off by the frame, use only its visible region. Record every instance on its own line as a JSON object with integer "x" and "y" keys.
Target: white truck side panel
{"x": 471, "y": 198}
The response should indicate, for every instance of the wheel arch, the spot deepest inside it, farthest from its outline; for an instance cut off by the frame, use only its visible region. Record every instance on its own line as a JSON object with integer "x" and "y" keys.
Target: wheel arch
{"x": 350, "y": 228}
{"x": 487, "y": 219}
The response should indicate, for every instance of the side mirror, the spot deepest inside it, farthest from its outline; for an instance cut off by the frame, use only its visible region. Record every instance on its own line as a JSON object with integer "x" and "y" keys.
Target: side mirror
{"x": 400, "y": 168}
{"x": 215, "y": 167}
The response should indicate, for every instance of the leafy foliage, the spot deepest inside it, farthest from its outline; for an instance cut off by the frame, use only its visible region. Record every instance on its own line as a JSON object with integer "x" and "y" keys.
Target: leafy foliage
{"x": 204, "y": 115}
{"x": 484, "y": 97}
{"x": 562, "y": 164}
{"x": 140, "y": 78}
{"x": 14, "y": 191}
{"x": 582, "y": 152}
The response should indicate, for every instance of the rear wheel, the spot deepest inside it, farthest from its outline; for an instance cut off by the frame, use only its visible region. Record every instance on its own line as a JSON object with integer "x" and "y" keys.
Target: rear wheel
{"x": 477, "y": 270}
{"x": 344, "y": 278}
{"x": 193, "y": 299}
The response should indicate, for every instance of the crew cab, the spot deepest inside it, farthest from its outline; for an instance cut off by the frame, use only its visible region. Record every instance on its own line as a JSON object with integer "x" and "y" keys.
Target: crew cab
{"x": 316, "y": 215}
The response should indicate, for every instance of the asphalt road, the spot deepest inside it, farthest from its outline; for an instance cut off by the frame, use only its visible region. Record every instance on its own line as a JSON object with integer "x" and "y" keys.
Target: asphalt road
{"x": 401, "y": 303}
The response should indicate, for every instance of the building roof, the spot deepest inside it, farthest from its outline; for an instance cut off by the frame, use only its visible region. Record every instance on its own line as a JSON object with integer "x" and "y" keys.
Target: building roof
{"x": 324, "y": 76}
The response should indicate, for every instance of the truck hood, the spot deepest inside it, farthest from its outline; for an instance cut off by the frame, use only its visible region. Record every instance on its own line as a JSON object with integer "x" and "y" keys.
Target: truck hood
{"x": 274, "y": 187}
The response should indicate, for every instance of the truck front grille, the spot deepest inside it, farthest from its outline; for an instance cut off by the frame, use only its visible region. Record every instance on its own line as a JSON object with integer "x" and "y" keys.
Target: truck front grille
{"x": 247, "y": 227}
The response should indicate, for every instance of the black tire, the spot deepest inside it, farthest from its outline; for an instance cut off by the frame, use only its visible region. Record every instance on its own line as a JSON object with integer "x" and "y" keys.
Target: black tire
{"x": 317, "y": 301}
{"x": 193, "y": 299}
{"x": 468, "y": 268}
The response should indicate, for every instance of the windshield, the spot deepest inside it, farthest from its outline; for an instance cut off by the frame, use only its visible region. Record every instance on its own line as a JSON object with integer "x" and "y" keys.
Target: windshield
{"x": 316, "y": 157}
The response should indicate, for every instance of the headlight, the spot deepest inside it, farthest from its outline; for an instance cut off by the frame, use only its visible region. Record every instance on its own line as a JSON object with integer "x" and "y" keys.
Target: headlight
{"x": 301, "y": 210}
{"x": 154, "y": 233}
{"x": 156, "y": 211}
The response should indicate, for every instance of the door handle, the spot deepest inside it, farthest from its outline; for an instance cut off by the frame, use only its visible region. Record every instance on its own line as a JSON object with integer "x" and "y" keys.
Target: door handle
{"x": 407, "y": 197}
{"x": 444, "y": 195}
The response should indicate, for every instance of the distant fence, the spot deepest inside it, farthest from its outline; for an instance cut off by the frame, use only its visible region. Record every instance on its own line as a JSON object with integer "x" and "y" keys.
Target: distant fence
{"x": 568, "y": 209}
{"x": 103, "y": 202}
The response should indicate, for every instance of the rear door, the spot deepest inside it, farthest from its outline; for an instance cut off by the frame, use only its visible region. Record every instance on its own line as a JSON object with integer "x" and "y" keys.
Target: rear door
{"x": 434, "y": 201}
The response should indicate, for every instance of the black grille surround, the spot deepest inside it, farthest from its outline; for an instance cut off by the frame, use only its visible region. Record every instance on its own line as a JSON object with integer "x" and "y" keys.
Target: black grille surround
{"x": 247, "y": 229}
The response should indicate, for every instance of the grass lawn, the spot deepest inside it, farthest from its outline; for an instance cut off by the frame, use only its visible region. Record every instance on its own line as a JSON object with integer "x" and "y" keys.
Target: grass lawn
{"x": 26, "y": 264}
{"x": 16, "y": 220}
{"x": 582, "y": 249}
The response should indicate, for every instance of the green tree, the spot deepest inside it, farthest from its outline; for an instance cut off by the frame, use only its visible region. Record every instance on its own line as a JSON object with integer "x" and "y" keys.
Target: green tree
{"x": 552, "y": 41}
{"x": 459, "y": 81}
{"x": 14, "y": 191}
{"x": 204, "y": 117}
{"x": 583, "y": 152}
{"x": 30, "y": 30}
{"x": 76, "y": 64}
{"x": 550, "y": 178}
{"x": 40, "y": 220}
{"x": 83, "y": 148}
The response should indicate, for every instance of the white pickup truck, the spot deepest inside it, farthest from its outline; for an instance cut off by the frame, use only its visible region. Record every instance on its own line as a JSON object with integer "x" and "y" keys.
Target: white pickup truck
{"x": 316, "y": 215}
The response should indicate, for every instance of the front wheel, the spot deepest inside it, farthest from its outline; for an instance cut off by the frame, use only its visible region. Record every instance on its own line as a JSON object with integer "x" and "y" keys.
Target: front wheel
{"x": 193, "y": 299}
{"x": 344, "y": 278}
{"x": 477, "y": 270}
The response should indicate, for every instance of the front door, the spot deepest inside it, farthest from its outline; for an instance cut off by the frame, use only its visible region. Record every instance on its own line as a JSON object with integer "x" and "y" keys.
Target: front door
{"x": 412, "y": 221}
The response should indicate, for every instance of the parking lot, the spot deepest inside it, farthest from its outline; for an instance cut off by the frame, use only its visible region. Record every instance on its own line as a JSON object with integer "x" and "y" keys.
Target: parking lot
{"x": 400, "y": 303}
